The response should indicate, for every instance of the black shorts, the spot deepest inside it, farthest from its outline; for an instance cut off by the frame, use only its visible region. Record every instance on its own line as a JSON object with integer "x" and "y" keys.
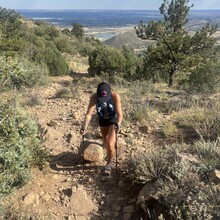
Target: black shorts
{"x": 107, "y": 122}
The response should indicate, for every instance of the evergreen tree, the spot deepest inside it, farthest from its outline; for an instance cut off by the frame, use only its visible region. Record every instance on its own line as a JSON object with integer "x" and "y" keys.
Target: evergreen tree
{"x": 77, "y": 30}
{"x": 131, "y": 58}
{"x": 106, "y": 59}
{"x": 175, "y": 49}
{"x": 9, "y": 22}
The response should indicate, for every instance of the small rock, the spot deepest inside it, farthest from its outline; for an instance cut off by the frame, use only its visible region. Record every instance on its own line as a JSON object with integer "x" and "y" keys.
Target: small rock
{"x": 76, "y": 122}
{"x": 52, "y": 123}
{"x": 146, "y": 192}
{"x": 215, "y": 176}
{"x": 115, "y": 214}
{"x": 121, "y": 184}
{"x": 96, "y": 208}
{"x": 132, "y": 201}
{"x": 127, "y": 216}
{"x": 128, "y": 209}
{"x": 74, "y": 189}
{"x": 68, "y": 180}
{"x": 46, "y": 197}
{"x": 31, "y": 198}
{"x": 55, "y": 177}
{"x": 81, "y": 203}
{"x": 117, "y": 208}
{"x": 103, "y": 178}
{"x": 146, "y": 129}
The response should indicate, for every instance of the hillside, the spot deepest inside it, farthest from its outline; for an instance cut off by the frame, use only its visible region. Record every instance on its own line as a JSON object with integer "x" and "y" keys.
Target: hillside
{"x": 127, "y": 38}
{"x": 72, "y": 188}
{"x": 168, "y": 146}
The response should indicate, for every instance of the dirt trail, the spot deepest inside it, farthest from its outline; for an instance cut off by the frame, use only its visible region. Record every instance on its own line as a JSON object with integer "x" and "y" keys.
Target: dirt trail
{"x": 69, "y": 188}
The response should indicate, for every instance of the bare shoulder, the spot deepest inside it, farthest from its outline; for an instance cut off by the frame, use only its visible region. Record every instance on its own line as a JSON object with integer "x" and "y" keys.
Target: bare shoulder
{"x": 93, "y": 98}
{"x": 116, "y": 97}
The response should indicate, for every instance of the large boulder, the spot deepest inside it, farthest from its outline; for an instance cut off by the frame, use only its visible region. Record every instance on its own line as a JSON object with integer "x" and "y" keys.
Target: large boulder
{"x": 93, "y": 153}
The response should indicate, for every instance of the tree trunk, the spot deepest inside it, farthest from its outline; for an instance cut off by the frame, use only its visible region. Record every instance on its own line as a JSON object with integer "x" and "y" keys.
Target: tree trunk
{"x": 171, "y": 79}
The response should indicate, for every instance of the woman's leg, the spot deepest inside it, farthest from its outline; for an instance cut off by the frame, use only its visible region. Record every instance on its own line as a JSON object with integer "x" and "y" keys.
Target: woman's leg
{"x": 108, "y": 136}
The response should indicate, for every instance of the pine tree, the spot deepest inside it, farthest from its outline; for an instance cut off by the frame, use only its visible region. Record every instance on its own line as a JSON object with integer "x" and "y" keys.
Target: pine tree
{"x": 175, "y": 49}
{"x": 77, "y": 30}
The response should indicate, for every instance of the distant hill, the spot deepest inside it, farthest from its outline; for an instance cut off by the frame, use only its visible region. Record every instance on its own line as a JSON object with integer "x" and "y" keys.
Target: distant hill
{"x": 129, "y": 39}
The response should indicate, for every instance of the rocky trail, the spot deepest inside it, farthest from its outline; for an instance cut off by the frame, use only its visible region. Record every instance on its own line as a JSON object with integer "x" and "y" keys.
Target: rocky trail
{"x": 70, "y": 187}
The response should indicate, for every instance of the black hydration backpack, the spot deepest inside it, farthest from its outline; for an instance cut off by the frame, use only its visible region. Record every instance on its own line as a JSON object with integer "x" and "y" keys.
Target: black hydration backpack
{"x": 105, "y": 105}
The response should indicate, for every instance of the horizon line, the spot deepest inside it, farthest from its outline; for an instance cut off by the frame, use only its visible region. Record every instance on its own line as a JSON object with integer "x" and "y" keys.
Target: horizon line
{"x": 83, "y": 9}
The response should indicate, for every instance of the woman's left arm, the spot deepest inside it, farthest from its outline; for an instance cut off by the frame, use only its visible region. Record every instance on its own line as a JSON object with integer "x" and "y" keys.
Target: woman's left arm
{"x": 118, "y": 107}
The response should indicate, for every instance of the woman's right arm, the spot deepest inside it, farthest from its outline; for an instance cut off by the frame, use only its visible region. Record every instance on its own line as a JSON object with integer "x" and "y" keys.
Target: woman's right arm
{"x": 90, "y": 108}
{"x": 117, "y": 100}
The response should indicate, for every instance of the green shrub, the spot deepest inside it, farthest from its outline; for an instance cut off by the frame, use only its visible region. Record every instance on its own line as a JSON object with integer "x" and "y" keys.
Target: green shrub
{"x": 189, "y": 198}
{"x": 55, "y": 61}
{"x": 34, "y": 74}
{"x": 24, "y": 73}
{"x": 19, "y": 147}
{"x": 106, "y": 59}
{"x": 10, "y": 22}
{"x": 134, "y": 97}
{"x": 206, "y": 78}
{"x": 209, "y": 154}
{"x": 63, "y": 93}
{"x": 148, "y": 167}
{"x": 203, "y": 120}
{"x": 36, "y": 45}
{"x": 34, "y": 100}
{"x": 51, "y": 32}
{"x": 10, "y": 73}
{"x": 131, "y": 59}
{"x": 19, "y": 213}
{"x": 209, "y": 128}
{"x": 144, "y": 113}
{"x": 65, "y": 45}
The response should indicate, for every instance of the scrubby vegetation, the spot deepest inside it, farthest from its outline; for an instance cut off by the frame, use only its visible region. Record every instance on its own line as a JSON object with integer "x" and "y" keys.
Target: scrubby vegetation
{"x": 20, "y": 143}
{"x": 180, "y": 170}
{"x": 177, "y": 181}
{"x": 186, "y": 116}
{"x": 42, "y": 45}
{"x": 31, "y": 52}
{"x": 20, "y": 147}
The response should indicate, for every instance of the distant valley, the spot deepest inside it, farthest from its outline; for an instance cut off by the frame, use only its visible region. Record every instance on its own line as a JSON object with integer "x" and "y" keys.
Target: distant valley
{"x": 116, "y": 27}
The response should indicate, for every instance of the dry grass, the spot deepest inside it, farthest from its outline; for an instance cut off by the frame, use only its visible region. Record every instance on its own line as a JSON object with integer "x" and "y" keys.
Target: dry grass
{"x": 169, "y": 129}
{"x": 77, "y": 63}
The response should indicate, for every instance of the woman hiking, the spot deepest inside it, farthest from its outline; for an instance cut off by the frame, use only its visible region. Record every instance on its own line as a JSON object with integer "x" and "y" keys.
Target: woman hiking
{"x": 109, "y": 111}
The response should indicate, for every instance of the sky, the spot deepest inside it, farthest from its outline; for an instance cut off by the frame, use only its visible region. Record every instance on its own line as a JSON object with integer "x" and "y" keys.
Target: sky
{"x": 101, "y": 4}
